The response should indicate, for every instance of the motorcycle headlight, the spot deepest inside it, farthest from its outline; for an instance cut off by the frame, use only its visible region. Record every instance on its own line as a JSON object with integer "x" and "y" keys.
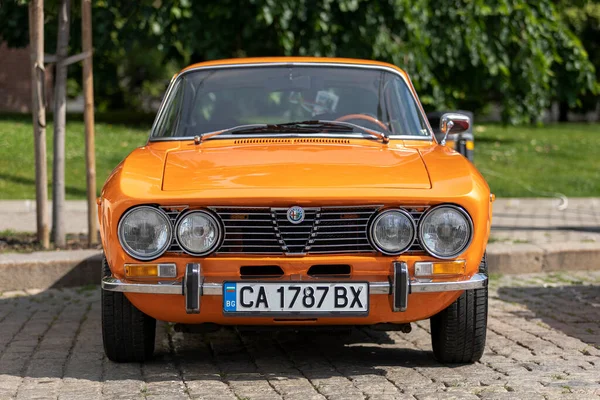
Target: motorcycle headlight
{"x": 198, "y": 232}
{"x": 445, "y": 231}
{"x": 393, "y": 231}
{"x": 145, "y": 232}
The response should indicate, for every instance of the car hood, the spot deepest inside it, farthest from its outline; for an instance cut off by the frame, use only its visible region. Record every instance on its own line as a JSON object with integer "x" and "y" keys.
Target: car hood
{"x": 294, "y": 166}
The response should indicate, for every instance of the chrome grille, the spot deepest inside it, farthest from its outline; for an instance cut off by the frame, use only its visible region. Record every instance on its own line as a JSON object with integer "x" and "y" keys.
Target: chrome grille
{"x": 248, "y": 230}
{"x": 173, "y": 213}
{"x": 295, "y": 238}
{"x": 324, "y": 230}
{"x": 343, "y": 230}
{"x": 416, "y": 212}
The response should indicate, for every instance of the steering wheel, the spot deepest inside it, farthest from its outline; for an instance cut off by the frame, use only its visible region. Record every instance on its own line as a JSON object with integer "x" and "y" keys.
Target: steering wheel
{"x": 363, "y": 117}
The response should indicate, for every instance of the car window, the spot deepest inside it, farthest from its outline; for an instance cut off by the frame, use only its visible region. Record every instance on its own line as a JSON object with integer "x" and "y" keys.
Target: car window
{"x": 166, "y": 125}
{"x": 216, "y": 99}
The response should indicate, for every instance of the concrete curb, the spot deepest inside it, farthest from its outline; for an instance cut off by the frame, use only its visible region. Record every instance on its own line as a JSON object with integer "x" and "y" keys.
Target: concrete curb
{"x": 50, "y": 269}
{"x": 506, "y": 258}
{"x": 54, "y": 269}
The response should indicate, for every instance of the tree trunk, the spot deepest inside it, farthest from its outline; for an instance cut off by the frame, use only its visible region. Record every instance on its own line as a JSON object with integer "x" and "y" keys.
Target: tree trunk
{"x": 38, "y": 111}
{"x": 88, "y": 112}
{"x": 563, "y": 111}
{"x": 60, "y": 110}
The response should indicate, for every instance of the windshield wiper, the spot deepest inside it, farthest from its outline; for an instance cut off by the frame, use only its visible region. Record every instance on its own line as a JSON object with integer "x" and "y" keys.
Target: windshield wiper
{"x": 338, "y": 126}
{"x": 256, "y": 128}
{"x": 316, "y": 126}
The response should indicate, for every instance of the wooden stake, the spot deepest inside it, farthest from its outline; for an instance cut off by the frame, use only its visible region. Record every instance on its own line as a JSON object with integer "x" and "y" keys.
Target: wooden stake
{"x": 88, "y": 113}
{"x": 38, "y": 111}
{"x": 60, "y": 110}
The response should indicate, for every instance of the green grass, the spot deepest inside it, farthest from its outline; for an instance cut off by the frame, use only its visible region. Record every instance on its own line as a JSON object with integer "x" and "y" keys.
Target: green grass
{"x": 516, "y": 161}
{"x": 535, "y": 162}
{"x": 17, "y": 168}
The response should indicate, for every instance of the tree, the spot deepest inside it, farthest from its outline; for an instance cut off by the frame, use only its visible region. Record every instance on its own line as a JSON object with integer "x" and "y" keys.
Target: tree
{"x": 88, "y": 113}
{"x": 460, "y": 53}
{"x": 36, "y": 34}
{"x": 583, "y": 19}
{"x": 60, "y": 113}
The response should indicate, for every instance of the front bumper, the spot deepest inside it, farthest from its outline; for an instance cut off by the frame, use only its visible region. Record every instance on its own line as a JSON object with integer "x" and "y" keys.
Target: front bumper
{"x": 194, "y": 286}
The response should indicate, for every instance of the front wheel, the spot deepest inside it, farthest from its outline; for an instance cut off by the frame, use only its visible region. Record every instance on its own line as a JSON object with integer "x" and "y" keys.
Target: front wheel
{"x": 458, "y": 332}
{"x": 128, "y": 334}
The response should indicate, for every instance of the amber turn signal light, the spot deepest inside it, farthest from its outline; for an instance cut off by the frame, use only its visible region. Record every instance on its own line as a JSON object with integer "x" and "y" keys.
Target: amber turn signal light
{"x": 150, "y": 270}
{"x": 440, "y": 268}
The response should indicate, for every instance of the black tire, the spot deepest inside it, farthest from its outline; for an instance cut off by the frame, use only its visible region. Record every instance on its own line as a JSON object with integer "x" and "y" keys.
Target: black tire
{"x": 458, "y": 332}
{"x": 483, "y": 265}
{"x": 128, "y": 334}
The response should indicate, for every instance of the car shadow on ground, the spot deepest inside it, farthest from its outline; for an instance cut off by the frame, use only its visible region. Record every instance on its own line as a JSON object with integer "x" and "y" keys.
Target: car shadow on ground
{"x": 56, "y": 333}
{"x": 572, "y": 309}
{"x": 286, "y": 354}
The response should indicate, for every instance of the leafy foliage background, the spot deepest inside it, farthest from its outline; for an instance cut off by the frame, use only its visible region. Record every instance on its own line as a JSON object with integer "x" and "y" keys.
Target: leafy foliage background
{"x": 460, "y": 53}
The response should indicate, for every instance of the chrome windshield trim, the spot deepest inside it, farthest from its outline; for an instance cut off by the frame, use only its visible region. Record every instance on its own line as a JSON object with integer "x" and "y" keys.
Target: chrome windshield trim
{"x": 162, "y": 104}
{"x": 294, "y": 135}
{"x": 408, "y": 82}
{"x": 216, "y": 289}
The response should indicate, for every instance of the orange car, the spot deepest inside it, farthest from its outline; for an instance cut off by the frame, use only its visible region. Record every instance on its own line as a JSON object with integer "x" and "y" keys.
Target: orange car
{"x": 295, "y": 192}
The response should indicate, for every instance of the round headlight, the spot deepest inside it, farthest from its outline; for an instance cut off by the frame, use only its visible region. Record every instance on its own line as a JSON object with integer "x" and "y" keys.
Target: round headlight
{"x": 145, "y": 232}
{"x": 198, "y": 232}
{"x": 393, "y": 231}
{"x": 445, "y": 231}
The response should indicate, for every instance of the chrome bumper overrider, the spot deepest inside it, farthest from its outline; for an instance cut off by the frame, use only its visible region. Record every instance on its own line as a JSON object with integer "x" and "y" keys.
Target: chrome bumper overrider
{"x": 194, "y": 286}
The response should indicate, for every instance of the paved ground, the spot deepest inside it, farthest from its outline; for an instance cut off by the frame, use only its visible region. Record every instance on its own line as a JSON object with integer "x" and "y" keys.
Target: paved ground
{"x": 516, "y": 221}
{"x": 543, "y": 342}
{"x": 541, "y": 221}
{"x": 19, "y": 215}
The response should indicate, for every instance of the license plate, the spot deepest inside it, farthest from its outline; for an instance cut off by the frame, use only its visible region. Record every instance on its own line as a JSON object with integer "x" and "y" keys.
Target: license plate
{"x": 296, "y": 298}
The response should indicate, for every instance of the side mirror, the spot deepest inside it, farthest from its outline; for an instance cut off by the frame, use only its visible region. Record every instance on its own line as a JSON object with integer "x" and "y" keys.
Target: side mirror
{"x": 453, "y": 123}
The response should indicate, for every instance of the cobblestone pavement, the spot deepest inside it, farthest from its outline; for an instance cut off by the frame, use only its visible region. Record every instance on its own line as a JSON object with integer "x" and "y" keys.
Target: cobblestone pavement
{"x": 543, "y": 342}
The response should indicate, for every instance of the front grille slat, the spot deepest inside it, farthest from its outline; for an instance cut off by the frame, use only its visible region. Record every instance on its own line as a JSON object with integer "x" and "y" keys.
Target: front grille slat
{"x": 348, "y": 232}
{"x": 369, "y": 250}
{"x": 303, "y": 231}
{"x": 246, "y": 220}
{"x": 253, "y": 245}
{"x": 234, "y": 240}
{"x": 333, "y": 245}
{"x": 349, "y": 210}
{"x": 251, "y": 227}
{"x": 234, "y": 233}
{"x": 324, "y": 239}
{"x": 324, "y": 230}
{"x": 321, "y": 226}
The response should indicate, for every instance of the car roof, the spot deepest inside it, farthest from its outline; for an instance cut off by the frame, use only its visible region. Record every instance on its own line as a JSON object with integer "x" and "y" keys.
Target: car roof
{"x": 279, "y": 60}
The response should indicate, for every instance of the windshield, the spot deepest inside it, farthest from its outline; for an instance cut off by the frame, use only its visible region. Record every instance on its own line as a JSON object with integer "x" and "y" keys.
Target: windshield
{"x": 211, "y": 100}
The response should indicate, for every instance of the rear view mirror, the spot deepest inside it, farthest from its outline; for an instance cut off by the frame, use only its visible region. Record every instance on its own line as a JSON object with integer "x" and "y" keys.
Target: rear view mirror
{"x": 297, "y": 83}
{"x": 453, "y": 123}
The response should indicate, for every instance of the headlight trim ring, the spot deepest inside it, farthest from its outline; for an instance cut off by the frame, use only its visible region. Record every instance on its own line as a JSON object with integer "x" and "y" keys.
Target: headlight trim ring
{"x": 127, "y": 248}
{"x": 463, "y": 248}
{"x": 378, "y": 217}
{"x": 216, "y": 220}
